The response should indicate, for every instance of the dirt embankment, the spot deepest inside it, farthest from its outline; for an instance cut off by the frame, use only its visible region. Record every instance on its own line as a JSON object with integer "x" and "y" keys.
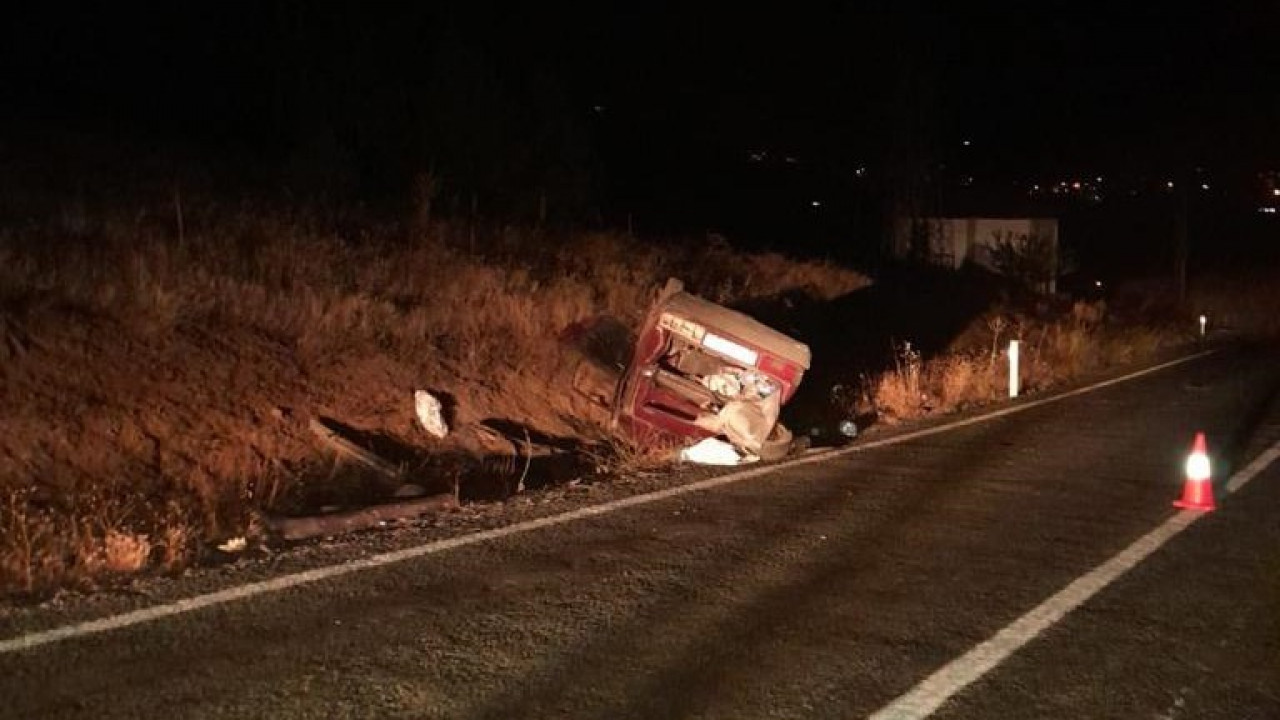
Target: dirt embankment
{"x": 174, "y": 435}
{"x": 158, "y": 395}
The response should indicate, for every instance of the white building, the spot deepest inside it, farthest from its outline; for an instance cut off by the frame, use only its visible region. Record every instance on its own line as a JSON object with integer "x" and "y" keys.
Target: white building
{"x": 954, "y": 241}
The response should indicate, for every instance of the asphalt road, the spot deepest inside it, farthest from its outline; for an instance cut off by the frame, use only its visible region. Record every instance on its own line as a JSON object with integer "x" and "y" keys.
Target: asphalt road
{"x": 823, "y": 591}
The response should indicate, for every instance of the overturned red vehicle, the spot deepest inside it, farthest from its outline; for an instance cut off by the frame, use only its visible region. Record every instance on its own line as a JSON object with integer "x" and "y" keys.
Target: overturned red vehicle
{"x": 701, "y": 370}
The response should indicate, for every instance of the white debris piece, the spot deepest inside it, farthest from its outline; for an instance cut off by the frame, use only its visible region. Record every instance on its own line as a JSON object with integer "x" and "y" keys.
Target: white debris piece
{"x": 724, "y": 384}
{"x": 714, "y": 451}
{"x": 430, "y": 413}
{"x": 234, "y": 545}
{"x": 747, "y": 424}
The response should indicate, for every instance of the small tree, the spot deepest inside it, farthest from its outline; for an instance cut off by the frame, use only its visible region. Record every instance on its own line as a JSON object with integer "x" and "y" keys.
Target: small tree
{"x": 1029, "y": 258}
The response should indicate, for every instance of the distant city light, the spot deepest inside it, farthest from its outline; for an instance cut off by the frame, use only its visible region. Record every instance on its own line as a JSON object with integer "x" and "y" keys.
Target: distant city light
{"x": 816, "y": 203}
{"x": 1275, "y": 192}
{"x": 598, "y": 108}
{"x": 1169, "y": 184}
{"x": 965, "y": 143}
{"x": 1267, "y": 210}
{"x": 1098, "y": 179}
{"x": 1204, "y": 186}
{"x": 862, "y": 170}
{"x": 1075, "y": 185}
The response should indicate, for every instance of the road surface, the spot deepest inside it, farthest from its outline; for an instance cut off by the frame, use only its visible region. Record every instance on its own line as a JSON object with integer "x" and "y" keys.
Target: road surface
{"x": 828, "y": 590}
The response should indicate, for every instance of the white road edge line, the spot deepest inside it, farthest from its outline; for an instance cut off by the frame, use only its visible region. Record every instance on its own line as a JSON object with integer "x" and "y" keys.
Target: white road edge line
{"x": 925, "y": 698}
{"x": 284, "y": 582}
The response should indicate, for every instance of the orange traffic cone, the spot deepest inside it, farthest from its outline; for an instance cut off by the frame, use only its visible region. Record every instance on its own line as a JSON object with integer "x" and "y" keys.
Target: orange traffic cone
{"x": 1197, "y": 491}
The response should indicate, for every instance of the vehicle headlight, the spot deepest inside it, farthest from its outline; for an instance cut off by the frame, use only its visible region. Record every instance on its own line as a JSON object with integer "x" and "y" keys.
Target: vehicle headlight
{"x": 730, "y": 349}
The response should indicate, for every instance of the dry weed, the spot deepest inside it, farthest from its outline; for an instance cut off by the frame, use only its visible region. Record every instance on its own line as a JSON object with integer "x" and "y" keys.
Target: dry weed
{"x": 623, "y": 456}
{"x": 477, "y": 298}
{"x": 899, "y": 393}
{"x": 1239, "y": 303}
{"x": 116, "y": 553}
{"x": 44, "y": 548}
{"x": 1055, "y": 351}
{"x": 176, "y": 547}
{"x": 895, "y": 399}
{"x": 411, "y": 291}
{"x": 964, "y": 380}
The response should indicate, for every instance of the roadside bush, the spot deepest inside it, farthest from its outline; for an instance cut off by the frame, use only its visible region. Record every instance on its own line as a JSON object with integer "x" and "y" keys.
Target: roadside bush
{"x": 1055, "y": 349}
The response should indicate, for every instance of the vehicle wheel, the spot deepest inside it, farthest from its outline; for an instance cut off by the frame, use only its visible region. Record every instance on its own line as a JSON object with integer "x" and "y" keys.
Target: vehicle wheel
{"x": 777, "y": 445}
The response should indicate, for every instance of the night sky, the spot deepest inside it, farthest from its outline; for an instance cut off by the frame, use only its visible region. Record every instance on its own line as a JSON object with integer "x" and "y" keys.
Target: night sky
{"x": 1069, "y": 84}
{"x": 652, "y": 104}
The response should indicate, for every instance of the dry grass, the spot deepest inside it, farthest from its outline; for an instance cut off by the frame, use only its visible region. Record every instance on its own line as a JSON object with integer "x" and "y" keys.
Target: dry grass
{"x": 1242, "y": 302}
{"x": 426, "y": 288}
{"x": 964, "y": 380}
{"x": 975, "y": 372}
{"x": 82, "y": 539}
{"x": 900, "y": 392}
{"x": 474, "y": 300}
{"x": 117, "y": 553}
{"x": 622, "y": 456}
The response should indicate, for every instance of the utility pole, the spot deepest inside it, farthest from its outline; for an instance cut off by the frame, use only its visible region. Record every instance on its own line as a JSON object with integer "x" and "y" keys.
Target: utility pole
{"x": 1181, "y": 238}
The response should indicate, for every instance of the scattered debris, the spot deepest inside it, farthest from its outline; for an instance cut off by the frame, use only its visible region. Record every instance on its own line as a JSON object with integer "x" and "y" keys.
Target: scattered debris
{"x": 430, "y": 414}
{"x": 348, "y": 449}
{"x": 234, "y": 545}
{"x": 531, "y": 460}
{"x": 713, "y": 451}
{"x": 337, "y": 523}
{"x": 411, "y": 499}
{"x": 849, "y": 428}
{"x": 409, "y": 490}
{"x": 528, "y": 460}
{"x": 747, "y": 423}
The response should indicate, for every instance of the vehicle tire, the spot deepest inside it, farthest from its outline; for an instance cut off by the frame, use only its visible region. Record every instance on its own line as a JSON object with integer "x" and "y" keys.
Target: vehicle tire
{"x": 777, "y": 445}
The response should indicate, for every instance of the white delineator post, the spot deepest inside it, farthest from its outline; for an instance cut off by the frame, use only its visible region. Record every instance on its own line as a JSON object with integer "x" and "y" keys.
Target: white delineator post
{"x": 1204, "y": 321}
{"x": 1013, "y": 368}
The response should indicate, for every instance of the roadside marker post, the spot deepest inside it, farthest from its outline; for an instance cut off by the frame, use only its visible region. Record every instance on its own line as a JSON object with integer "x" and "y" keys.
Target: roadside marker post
{"x": 323, "y": 573}
{"x": 1204, "y": 322}
{"x": 1013, "y": 368}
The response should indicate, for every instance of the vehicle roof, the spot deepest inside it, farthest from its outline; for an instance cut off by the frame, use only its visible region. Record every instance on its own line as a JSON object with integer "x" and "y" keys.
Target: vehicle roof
{"x": 738, "y": 325}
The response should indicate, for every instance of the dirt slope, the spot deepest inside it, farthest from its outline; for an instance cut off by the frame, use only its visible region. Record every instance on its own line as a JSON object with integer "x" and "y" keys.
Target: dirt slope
{"x": 157, "y": 398}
